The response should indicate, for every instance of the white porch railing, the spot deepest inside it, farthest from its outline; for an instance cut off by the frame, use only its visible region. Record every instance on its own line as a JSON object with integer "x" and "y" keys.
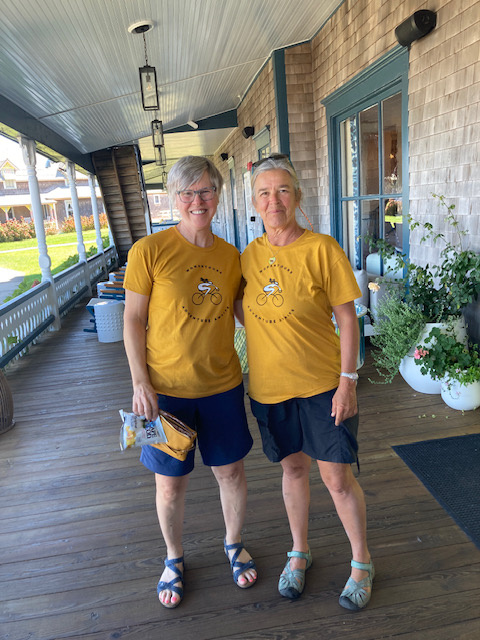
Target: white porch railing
{"x": 25, "y": 318}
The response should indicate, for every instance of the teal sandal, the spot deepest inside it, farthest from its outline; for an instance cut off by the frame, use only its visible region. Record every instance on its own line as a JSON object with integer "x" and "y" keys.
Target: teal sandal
{"x": 355, "y": 595}
{"x": 236, "y": 566}
{"x": 163, "y": 586}
{"x": 292, "y": 582}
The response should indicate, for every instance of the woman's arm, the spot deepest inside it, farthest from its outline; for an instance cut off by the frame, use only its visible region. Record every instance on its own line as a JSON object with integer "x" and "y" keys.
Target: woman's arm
{"x": 344, "y": 402}
{"x": 238, "y": 310}
{"x": 134, "y": 335}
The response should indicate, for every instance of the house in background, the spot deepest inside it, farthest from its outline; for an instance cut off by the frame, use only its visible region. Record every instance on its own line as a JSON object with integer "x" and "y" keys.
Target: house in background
{"x": 161, "y": 210}
{"x": 15, "y": 202}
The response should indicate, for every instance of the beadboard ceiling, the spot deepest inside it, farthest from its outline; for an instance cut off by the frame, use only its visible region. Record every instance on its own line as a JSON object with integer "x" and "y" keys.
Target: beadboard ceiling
{"x": 73, "y": 66}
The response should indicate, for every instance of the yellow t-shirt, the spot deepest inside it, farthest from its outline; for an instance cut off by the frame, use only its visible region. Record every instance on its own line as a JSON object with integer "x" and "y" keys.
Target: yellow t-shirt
{"x": 293, "y": 350}
{"x": 190, "y": 349}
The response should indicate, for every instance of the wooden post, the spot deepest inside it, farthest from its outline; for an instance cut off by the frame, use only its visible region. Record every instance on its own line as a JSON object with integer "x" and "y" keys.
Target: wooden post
{"x": 28, "y": 148}
{"x": 82, "y": 255}
{"x": 96, "y": 220}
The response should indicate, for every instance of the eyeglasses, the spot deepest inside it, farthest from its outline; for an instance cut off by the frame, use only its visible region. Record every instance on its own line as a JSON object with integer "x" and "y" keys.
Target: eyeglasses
{"x": 188, "y": 195}
{"x": 273, "y": 156}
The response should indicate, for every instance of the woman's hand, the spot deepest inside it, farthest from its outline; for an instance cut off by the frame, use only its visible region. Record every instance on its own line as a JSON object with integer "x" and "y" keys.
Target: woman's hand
{"x": 344, "y": 402}
{"x": 145, "y": 401}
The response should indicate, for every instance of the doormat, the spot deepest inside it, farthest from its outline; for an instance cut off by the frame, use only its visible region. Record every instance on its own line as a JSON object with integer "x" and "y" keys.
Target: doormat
{"x": 450, "y": 469}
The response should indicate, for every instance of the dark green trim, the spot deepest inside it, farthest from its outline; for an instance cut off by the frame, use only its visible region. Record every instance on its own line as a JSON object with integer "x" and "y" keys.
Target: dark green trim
{"x": 16, "y": 121}
{"x": 281, "y": 107}
{"x": 383, "y": 78}
{"x": 224, "y": 120}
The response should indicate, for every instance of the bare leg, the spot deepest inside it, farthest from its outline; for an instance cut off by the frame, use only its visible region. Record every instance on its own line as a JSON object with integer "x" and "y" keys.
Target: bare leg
{"x": 296, "y": 496}
{"x": 170, "y": 501}
{"x": 349, "y": 501}
{"x": 233, "y": 497}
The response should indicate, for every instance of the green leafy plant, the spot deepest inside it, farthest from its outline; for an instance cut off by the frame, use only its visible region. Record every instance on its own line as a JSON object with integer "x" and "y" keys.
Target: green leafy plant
{"x": 397, "y": 328}
{"x": 440, "y": 290}
{"x": 442, "y": 355}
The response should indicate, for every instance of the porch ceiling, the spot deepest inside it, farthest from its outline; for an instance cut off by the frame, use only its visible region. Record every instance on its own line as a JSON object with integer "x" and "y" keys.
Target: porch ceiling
{"x": 73, "y": 66}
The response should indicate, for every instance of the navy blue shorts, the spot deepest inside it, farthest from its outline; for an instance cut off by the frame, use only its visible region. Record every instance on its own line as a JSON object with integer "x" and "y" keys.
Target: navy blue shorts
{"x": 223, "y": 436}
{"x": 305, "y": 424}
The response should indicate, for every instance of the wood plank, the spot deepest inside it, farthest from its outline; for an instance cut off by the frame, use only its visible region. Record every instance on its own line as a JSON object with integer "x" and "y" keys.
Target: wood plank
{"x": 82, "y": 549}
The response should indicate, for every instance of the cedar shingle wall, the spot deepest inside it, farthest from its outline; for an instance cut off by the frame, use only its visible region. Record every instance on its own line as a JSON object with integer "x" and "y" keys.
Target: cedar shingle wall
{"x": 444, "y": 105}
{"x": 257, "y": 110}
{"x": 444, "y": 110}
{"x": 301, "y": 121}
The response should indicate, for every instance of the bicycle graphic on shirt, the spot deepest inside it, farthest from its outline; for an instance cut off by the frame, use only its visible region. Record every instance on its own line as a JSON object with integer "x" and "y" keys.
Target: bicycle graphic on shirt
{"x": 271, "y": 290}
{"x": 205, "y": 288}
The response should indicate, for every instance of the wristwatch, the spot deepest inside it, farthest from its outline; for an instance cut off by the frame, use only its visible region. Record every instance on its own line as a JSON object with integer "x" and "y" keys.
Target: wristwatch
{"x": 352, "y": 376}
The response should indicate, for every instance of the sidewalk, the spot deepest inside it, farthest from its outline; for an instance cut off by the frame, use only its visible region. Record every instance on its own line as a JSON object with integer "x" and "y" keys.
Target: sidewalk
{"x": 9, "y": 281}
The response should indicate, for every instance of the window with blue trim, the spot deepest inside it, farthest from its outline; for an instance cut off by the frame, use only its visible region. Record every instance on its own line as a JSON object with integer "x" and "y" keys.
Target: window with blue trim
{"x": 368, "y": 160}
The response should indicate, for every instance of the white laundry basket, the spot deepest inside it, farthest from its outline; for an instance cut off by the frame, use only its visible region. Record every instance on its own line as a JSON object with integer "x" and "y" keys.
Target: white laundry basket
{"x": 109, "y": 320}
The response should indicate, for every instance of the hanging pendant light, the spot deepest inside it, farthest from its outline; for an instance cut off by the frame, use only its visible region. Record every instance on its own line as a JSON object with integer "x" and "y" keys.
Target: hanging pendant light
{"x": 148, "y": 84}
{"x": 160, "y": 156}
{"x": 148, "y": 74}
{"x": 157, "y": 133}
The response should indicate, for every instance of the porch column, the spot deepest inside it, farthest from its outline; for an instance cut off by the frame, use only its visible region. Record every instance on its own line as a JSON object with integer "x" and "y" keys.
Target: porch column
{"x": 28, "y": 148}
{"x": 82, "y": 255}
{"x": 96, "y": 219}
{"x": 76, "y": 211}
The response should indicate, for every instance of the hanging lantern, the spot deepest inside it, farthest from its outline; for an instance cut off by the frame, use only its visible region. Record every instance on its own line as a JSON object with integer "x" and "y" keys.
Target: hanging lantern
{"x": 148, "y": 86}
{"x": 157, "y": 133}
{"x": 160, "y": 156}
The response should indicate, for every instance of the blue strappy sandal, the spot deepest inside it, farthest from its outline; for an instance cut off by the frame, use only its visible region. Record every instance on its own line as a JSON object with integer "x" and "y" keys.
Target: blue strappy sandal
{"x": 292, "y": 582}
{"x": 236, "y": 566}
{"x": 163, "y": 586}
{"x": 355, "y": 595}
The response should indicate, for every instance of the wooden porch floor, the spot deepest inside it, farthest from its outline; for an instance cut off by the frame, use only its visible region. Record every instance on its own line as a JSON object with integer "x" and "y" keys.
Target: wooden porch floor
{"x": 81, "y": 549}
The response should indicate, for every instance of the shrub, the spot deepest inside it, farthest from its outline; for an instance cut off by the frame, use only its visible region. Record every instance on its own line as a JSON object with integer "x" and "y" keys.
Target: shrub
{"x": 68, "y": 225}
{"x": 14, "y": 230}
{"x": 396, "y": 330}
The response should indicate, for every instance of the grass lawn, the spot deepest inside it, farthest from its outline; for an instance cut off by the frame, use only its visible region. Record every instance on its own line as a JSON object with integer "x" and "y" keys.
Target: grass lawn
{"x": 26, "y": 260}
{"x": 23, "y": 255}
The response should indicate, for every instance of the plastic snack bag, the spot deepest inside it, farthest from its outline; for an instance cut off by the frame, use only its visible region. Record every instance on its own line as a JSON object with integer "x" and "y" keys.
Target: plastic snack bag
{"x": 136, "y": 431}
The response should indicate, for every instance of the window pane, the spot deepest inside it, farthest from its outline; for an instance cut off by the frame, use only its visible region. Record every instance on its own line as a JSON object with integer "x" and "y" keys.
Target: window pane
{"x": 370, "y": 228}
{"x": 393, "y": 223}
{"x": 368, "y": 123}
{"x": 392, "y": 145}
{"x": 349, "y": 156}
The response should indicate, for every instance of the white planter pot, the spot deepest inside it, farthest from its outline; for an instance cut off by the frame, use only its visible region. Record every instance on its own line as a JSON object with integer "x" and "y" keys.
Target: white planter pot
{"x": 362, "y": 281}
{"x": 412, "y": 375}
{"x": 410, "y": 371}
{"x": 460, "y": 396}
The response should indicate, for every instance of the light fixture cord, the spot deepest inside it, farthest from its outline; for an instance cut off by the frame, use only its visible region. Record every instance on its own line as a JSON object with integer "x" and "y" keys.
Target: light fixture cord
{"x": 145, "y": 46}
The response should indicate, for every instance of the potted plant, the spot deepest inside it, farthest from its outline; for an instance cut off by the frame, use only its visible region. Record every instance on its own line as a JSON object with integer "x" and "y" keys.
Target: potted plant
{"x": 443, "y": 289}
{"x": 455, "y": 364}
{"x": 398, "y": 325}
{"x": 438, "y": 292}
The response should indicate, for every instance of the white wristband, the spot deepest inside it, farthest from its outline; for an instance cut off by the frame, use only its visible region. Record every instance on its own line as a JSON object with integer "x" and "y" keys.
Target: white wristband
{"x": 351, "y": 376}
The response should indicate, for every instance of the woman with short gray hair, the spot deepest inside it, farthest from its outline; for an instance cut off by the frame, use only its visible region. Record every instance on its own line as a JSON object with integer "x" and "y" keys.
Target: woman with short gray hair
{"x": 181, "y": 285}
{"x": 302, "y": 376}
